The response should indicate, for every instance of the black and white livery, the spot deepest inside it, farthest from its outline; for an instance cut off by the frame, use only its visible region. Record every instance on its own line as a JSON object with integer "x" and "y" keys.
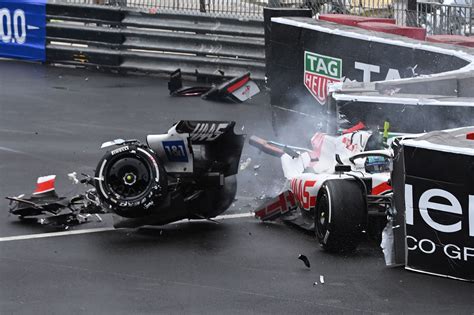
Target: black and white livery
{"x": 187, "y": 173}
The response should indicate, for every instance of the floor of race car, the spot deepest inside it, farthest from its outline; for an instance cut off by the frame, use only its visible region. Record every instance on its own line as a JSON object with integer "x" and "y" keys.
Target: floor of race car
{"x": 53, "y": 120}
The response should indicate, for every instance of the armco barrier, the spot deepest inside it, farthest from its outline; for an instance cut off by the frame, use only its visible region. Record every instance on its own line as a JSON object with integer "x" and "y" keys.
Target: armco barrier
{"x": 130, "y": 40}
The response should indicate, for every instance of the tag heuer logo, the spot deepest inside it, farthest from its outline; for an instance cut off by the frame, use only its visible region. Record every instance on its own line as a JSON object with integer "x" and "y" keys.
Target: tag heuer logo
{"x": 319, "y": 70}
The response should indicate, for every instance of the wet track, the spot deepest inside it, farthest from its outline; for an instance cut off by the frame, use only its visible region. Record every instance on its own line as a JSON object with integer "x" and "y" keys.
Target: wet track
{"x": 52, "y": 121}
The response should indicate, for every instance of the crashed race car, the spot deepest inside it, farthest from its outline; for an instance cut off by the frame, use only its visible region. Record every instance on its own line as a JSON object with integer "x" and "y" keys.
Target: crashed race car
{"x": 236, "y": 90}
{"x": 187, "y": 173}
{"x": 340, "y": 188}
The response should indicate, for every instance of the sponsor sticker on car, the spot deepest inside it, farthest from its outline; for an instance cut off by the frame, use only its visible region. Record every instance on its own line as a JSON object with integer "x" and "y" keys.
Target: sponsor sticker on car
{"x": 175, "y": 151}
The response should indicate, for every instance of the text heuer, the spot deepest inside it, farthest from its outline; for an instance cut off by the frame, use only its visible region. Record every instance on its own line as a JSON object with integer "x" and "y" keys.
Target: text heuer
{"x": 319, "y": 70}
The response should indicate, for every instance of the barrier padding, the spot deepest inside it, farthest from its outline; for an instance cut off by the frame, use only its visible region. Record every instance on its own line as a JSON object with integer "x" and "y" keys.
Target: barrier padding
{"x": 451, "y": 39}
{"x": 308, "y": 55}
{"x": 353, "y": 20}
{"x": 407, "y": 31}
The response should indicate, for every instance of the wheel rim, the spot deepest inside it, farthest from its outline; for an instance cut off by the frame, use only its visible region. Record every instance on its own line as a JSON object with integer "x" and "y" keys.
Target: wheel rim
{"x": 322, "y": 216}
{"x": 128, "y": 178}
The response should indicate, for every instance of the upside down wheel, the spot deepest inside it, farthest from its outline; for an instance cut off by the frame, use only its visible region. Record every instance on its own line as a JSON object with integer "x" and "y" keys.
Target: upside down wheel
{"x": 130, "y": 179}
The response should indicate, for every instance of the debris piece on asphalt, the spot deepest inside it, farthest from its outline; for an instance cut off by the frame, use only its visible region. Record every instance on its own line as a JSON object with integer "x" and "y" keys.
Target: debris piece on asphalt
{"x": 315, "y": 283}
{"x": 305, "y": 259}
{"x": 245, "y": 164}
{"x": 321, "y": 279}
{"x": 73, "y": 177}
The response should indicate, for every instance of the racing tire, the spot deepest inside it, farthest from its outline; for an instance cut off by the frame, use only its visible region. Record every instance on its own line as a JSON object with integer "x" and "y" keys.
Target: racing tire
{"x": 340, "y": 215}
{"x": 131, "y": 179}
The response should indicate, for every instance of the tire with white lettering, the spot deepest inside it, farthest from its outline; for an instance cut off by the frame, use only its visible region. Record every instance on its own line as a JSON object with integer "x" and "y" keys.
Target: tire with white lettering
{"x": 131, "y": 179}
{"x": 340, "y": 215}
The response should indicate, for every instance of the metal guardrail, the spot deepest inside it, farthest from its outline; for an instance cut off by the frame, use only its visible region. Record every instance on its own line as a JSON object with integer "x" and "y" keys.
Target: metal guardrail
{"x": 436, "y": 17}
{"x": 128, "y": 40}
{"x": 240, "y": 8}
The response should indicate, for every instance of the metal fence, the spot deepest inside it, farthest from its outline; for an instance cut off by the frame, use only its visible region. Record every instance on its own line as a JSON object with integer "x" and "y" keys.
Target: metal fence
{"x": 239, "y": 8}
{"x": 438, "y": 18}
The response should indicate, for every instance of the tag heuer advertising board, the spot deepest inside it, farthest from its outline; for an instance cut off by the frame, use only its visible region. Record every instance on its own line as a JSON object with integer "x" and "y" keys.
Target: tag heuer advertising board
{"x": 319, "y": 71}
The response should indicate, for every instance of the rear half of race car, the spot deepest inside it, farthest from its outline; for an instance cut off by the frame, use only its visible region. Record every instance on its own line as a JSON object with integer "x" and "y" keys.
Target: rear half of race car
{"x": 187, "y": 173}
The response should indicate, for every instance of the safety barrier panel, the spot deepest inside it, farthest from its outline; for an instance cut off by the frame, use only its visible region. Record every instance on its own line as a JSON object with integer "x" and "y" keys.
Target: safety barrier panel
{"x": 129, "y": 40}
{"x": 23, "y": 29}
{"x": 308, "y": 56}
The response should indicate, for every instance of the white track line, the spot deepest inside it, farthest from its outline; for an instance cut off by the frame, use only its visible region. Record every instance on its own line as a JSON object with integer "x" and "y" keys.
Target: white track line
{"x": 88, "y": 231}
{"x": 53, "y": 234}
{"x": 10, "y": 150}
{"x": 234, "y": 216}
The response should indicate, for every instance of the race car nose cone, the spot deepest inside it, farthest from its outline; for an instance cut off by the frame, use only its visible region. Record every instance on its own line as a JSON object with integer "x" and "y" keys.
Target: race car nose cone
{"x": 129, "y": 179}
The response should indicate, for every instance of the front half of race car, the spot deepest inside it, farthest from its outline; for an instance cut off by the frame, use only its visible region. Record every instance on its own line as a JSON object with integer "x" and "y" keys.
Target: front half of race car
{"x": 340, "y": 188}
{"x": 187, "y": 173}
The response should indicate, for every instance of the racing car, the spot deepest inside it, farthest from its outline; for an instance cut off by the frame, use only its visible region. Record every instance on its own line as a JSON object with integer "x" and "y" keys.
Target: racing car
{"x": 339, "y": 188}
{"x": 187, "y": 173}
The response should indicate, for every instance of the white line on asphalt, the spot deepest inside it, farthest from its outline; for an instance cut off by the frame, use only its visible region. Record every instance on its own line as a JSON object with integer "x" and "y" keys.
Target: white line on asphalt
{"x": 10, "y": 150}
{"x": 53, "y": 234}
{"x": 234, "y": 216}
{"x": 88, "y": 231}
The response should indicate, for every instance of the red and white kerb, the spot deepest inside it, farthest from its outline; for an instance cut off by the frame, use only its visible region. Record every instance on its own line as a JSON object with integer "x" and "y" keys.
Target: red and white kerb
{"x": 44, "y": 184}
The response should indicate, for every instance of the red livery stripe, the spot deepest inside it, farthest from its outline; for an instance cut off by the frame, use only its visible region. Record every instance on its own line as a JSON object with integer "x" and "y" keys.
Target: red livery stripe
{"x": 377, "y": 190}
{"x": 317, "y": 142}
{"x": 357, "y": 127}
{"x": 280, "y": 205}
{"x": 44, "y": 184}
{"x": 238, "y": 84}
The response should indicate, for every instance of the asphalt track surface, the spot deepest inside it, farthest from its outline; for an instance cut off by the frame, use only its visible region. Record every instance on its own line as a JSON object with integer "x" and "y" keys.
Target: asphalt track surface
{"x": 53, "y": 120}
